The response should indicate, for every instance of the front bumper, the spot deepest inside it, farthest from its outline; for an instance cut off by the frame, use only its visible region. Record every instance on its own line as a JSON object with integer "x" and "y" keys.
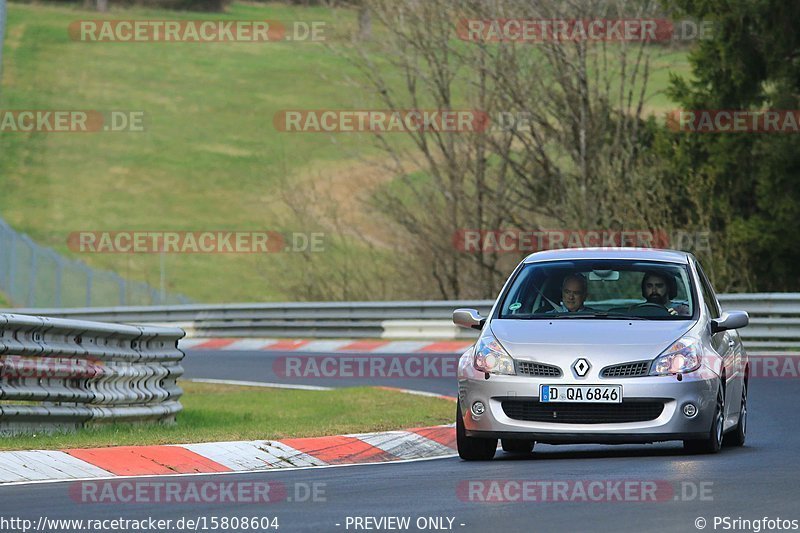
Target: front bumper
{"x": 671, "y": 424}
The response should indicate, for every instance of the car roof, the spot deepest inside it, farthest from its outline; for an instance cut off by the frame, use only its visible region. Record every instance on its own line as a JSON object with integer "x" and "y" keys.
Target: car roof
{"x": 649, "y": 254}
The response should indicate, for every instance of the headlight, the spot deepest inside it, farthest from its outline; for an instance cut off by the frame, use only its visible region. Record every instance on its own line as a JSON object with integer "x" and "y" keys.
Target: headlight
{"x": 683, "y": 356}
{"x": 491, "y": 357}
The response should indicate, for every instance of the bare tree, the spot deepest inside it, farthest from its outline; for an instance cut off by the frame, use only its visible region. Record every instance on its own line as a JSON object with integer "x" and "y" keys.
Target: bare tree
{"x": 578, "y": 157}
{"x": 566, "y": 147}
{"x": 458, "y": 188}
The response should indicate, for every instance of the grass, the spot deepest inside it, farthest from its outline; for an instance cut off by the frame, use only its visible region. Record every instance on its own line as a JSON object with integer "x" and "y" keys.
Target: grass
{"x": 210, "y": 158}
{"x": 215, "y": 412}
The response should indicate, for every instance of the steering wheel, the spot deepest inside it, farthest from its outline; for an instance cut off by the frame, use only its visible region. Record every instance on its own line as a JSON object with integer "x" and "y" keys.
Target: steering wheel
{"x": 651, "y": 305}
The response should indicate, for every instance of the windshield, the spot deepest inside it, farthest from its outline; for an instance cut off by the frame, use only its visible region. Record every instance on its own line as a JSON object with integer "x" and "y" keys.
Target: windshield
{"x": 621, "y": 289}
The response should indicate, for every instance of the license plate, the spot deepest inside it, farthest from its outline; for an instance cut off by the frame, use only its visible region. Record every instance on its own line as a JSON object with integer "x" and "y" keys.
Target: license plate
{"x": 580, "y": 393}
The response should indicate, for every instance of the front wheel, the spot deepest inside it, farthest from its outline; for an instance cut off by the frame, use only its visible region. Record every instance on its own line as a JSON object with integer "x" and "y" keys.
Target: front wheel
{"x": 713, "y": 442}
{"x": 472, "y": 448}
{"x": 739, "y": 433}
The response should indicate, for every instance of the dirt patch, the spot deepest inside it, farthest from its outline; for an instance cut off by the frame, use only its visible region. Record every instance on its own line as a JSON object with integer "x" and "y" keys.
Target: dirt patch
{"x": 225, "y": 149}
{"x": 337, "y": 196}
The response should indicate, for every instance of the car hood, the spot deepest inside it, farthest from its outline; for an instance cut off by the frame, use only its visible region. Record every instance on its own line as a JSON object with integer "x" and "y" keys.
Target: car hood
{"x": 602, "y": 341}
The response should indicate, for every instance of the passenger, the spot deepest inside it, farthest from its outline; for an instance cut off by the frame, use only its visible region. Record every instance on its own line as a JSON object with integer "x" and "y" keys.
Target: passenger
{"x": 660, "y": 288}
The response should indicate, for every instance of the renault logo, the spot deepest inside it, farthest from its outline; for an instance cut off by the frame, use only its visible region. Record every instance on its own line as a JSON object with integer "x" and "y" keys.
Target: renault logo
{"x": 581, "y": 367}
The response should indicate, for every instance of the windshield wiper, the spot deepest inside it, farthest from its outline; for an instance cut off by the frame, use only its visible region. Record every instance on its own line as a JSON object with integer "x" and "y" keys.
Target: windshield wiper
{"x": 598, "y": 314}
{"x": 620, "y": 316}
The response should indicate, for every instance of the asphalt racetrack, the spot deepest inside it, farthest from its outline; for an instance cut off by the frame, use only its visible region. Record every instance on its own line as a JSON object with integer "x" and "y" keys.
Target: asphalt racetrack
{"x": 759, "y": 483}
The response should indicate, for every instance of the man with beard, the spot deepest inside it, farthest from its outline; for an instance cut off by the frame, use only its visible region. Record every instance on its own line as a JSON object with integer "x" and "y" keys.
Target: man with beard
{"x": 660, "y": 288}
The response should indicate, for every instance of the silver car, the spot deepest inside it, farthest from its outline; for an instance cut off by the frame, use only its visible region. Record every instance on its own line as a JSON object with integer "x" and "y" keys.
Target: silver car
{"x": 603, "y": 346}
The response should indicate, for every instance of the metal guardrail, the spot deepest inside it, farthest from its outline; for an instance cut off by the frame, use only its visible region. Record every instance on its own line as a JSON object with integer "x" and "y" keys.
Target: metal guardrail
{"x": 62, "y": 374}
{"x": 393, "y": 310}
{"x": 775, "y": 318}
{"x": 307, "y": 320}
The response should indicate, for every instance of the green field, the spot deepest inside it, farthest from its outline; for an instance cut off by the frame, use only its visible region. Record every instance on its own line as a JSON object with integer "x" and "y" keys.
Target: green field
{"x": 227, "y": 413}
{"x": 210, "y": 158}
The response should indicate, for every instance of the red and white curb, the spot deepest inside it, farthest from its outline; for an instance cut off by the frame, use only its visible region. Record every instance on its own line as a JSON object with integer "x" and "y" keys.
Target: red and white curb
{"x": 221, "y": 457}
{"x": 325, "y": 346}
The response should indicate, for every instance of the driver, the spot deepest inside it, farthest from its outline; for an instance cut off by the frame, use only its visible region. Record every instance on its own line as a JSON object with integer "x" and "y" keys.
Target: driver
{"x": 660, "y": 288}
{"x": 574, "y": 291}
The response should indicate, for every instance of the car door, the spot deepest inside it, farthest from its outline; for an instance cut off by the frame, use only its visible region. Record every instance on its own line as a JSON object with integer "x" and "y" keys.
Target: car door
{"x": 726, "y": 344}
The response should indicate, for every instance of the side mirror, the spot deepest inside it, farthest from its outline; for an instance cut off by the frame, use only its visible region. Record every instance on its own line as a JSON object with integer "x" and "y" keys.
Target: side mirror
{"x": 730, "y": 320}
{"x": 468, "y": 318}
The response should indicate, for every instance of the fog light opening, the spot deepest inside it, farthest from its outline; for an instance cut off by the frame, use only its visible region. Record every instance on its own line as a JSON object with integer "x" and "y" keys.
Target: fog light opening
{"x": 689, "y": 410}
{"x": 478, "y": 408}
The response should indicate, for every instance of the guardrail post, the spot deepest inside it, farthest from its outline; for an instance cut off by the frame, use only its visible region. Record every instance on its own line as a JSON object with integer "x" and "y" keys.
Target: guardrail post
{"x": 12, "y": 265}
{"x": 122, "y": 290}
{"x": 3, "y": 262}
{"x": 59, "y": 274}
{"x": 32, "y": 277}
{"x": 5, "y": 257}
{"x": 89, "y": 276}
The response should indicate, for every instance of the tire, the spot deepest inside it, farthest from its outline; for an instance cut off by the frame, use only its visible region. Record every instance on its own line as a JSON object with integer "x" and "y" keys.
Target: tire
{"x": 713, "y": 443}
{"x": 517, "y": 445}
{"x": 738, "y": 434}
{"x": 472, "y": 448}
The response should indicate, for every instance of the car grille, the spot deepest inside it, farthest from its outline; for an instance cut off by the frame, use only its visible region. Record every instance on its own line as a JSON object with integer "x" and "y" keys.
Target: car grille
{"x": 582, "y": 413}
{"x": 627, "y": 370}
{"x": 527, "y": 368}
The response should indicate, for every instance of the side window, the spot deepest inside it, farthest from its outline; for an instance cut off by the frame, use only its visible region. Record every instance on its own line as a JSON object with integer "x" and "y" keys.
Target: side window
{"x": 708, "y": 294}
